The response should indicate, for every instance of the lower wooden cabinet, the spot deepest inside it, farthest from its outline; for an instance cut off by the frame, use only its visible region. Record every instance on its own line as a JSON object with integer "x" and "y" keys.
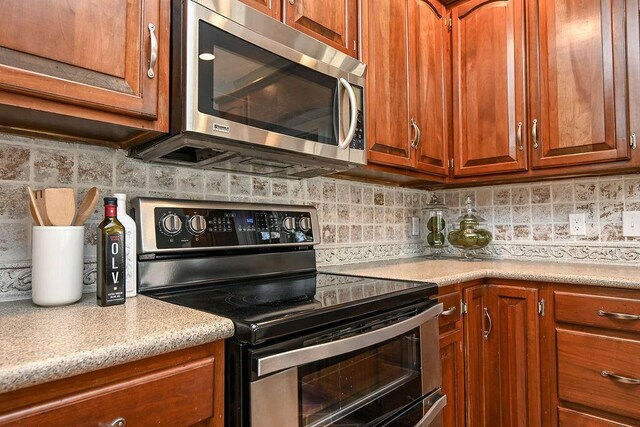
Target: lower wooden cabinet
{"x": 181, "y": 388}
{"x": 452, "y": 358}
{"x": 597, "y": 339}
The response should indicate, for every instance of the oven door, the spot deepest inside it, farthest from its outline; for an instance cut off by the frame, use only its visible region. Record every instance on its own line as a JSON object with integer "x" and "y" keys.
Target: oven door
{"x": 245, "y": 85}
{"x": 389, "y": 375}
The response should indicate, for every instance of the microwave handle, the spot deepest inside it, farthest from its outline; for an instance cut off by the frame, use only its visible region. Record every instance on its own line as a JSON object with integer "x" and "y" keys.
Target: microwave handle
{"x": 353, "y": 122}
{"x": 277, "y": 362}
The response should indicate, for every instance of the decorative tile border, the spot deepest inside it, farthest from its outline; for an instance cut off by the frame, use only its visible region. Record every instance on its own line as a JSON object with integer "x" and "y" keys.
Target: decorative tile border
{"x": 565, "y": 252}
{"x": 333, "y": 255}
{"x": 15, "y": 279}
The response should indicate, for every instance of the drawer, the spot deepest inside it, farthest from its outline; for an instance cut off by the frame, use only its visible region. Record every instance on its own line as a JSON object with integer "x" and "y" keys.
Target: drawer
{"x": 570, "y": 418}
{"x": 451, "y": 309}
{"x": 176, "y": 396}
{"x": 598, "y": 311}
{"x": 582, "y": 357}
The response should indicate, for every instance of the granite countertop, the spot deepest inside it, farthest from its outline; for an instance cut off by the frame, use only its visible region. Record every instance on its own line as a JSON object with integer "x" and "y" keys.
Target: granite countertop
{"x": 450, "y": 271}
{"x": 41, "y": 344}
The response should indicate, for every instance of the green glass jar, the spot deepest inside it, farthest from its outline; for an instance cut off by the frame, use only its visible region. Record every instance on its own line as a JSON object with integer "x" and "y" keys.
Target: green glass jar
{"x": 469, "y": 236}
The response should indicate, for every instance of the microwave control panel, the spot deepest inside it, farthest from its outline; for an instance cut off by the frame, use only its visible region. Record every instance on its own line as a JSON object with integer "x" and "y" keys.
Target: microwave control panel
{"x": 180, "y": 228}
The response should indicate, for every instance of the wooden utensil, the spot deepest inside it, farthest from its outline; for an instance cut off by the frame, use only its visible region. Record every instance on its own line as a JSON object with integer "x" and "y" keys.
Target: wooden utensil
{"x": 35, "y": 213}
{"x": 87, "y": 206}
{"x": 42, "y": 209}
{"x": 60, "y": 206}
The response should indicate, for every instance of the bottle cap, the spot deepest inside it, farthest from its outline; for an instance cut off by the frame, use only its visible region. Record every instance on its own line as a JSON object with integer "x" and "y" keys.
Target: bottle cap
{"x": 110, "y": 201}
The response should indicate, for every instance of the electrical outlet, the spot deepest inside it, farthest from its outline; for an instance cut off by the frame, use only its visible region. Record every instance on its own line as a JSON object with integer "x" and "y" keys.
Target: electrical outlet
{"x": 578, "y": 224}
{"x": 415, "y": 226}
{"x": 631, "y": 223}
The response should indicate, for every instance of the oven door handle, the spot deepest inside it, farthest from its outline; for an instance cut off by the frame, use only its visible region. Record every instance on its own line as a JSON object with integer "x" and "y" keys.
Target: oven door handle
{"x": 433, "y": 412}
{"x": 277, "y": 362}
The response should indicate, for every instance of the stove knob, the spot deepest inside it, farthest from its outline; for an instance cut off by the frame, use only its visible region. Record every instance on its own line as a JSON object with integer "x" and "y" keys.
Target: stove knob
{"x": 305, "y": 223}
{"x": 197, "y": 224}
{"x": 289, "y": 224}
{"x": 171, "y": 224}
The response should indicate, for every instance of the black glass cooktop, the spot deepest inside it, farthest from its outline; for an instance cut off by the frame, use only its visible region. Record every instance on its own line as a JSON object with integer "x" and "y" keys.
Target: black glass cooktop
{"x": 264, "y": 309}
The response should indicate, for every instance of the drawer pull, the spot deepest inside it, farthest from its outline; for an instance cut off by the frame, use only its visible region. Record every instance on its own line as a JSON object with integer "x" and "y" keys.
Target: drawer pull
{"x": 449, "y": 311}
{"x": 118, "y": 422}
{"x": 620, "y": 378}
{"x": 488, "y": 316}
{"x": 619, "y": 316}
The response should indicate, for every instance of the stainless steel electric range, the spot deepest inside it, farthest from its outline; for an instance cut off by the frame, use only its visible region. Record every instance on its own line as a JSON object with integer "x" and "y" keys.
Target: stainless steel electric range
{"x": 310, "y": 349}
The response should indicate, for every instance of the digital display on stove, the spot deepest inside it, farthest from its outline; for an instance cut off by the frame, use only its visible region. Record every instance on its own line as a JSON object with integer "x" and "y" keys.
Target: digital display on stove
{"x": 179, "y": 228}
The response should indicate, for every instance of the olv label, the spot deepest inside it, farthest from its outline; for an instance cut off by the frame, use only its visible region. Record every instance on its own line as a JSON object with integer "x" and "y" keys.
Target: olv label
{"x": 115, "y": 268}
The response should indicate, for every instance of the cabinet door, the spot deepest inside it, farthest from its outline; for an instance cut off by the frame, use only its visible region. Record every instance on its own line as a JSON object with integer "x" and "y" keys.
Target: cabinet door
{"x": 428, "y": 32}
{"x": 452, "y": 359}
{"x": 385, "y": 52}
{"x": 514, "y": 357}
{"x": 92, "y": 54}
{"x": 476, "y": 353}
{"x": 272, "y": 8}
{"x": 334, "y": 22}
{"x": 579, "y": 94}
{"x": 633, "y": 64}
{"x": 488, "y": 53}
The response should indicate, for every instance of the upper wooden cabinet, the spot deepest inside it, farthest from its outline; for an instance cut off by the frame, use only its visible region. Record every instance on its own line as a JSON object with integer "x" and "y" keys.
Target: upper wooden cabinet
{"x": 334, "y": 22}
{"x": 404, "y": 46}
{"x": 578, "y": 82}
{"x": 428, "y": 34}
{"x": 488, "y": 50}
{"x": 106, "y": 62}
{"x": 272, "y": 8}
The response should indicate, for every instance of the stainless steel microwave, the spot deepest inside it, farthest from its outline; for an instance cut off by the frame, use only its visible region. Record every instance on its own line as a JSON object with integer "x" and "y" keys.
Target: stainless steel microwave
{"x": 253, "y": 95}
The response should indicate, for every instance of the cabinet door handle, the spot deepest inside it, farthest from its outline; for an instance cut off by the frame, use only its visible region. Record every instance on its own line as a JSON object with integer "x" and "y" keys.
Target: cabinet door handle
{"x": 118, "y": 422}
{"x": 153, "y": 56}
{"x": 519, "y": 136}
{"x": 632, "y": 141}
{"x": 449, "y": 311}
{"x": 620, "y": 378}
{"x": 619, "y": 316}
{"x": 416, "y": 134}
{"x": 534, "y": 133}
{"x": 488, "y": 316}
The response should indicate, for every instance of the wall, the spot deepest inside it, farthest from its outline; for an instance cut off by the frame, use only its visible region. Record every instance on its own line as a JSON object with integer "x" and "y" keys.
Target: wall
{"x": 359, "y": 222}
{"x": 531, "y": 221}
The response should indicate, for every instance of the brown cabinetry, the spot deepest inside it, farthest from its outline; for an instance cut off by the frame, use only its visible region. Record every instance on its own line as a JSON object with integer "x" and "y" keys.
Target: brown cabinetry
{"x": 488, "y": 50}
{"x": 405, "y": 47}
{"x": 96, "y": 70}
{"x": 578, "y": 83}
{"x": 272, "y": 8}
{"x": 452, "y": 358}
{"x": 180, "y": 388}
{"x": 597, "y": 336}
{"x": 333, "y": 22}
{"x": 502, "y": 355}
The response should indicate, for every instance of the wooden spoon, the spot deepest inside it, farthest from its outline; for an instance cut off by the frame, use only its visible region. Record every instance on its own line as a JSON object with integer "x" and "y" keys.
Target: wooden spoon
{"x": 60, "y": 206}
{"x": 87, "y": 206}
{"x": 35, "y": 213}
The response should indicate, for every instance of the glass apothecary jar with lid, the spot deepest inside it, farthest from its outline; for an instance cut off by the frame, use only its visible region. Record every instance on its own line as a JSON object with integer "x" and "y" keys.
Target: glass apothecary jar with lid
{"x": 436, "y": 226}
{"x": 469, "y": 236}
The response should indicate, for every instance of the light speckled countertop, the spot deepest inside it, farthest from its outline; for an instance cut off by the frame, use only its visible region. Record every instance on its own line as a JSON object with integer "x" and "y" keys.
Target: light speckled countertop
{"x": 449, "y": 271}
{"x": 40, "y": 344}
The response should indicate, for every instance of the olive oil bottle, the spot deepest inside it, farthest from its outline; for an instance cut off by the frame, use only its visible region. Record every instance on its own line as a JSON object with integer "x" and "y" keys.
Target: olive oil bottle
{"x": 111, "y": 257}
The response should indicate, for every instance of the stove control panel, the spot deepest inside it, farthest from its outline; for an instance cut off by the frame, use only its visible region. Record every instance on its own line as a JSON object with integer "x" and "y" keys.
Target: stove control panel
{"x": 194, "y": 225}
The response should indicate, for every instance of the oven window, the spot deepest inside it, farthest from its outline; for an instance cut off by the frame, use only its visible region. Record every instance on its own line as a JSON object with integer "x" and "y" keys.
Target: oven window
{"x": 244, "y": 83}
{"x": 362, "y": 386}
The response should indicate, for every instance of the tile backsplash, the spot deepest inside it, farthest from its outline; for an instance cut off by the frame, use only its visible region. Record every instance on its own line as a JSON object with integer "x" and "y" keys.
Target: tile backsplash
{"x": 359, "y": 222}
{"x": 531, "y": 220}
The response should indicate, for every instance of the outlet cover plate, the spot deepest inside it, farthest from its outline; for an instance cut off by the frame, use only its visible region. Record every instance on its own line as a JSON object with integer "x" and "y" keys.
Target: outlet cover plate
{"x": 578, "y": 224}
{"x": 631, "y": 223}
